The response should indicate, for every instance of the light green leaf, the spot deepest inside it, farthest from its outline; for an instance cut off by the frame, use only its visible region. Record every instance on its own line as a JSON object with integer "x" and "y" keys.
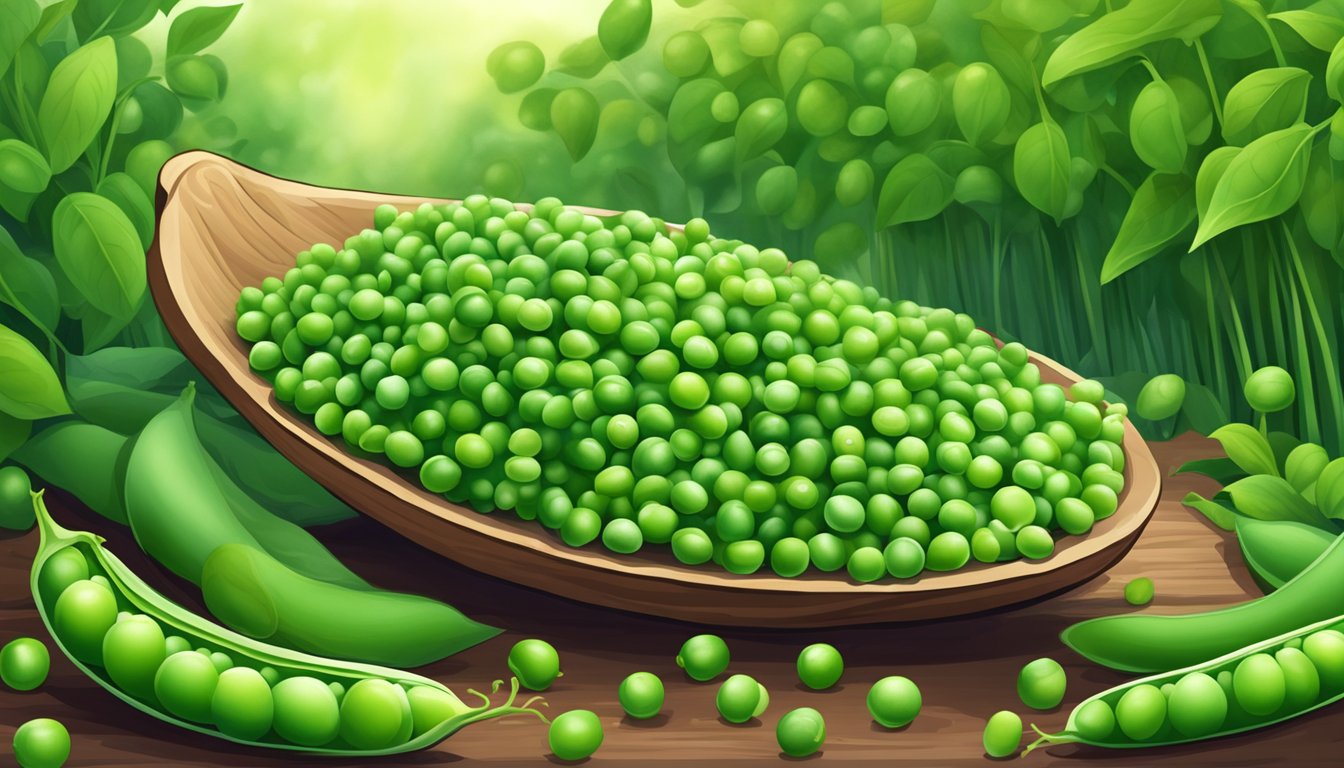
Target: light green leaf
{"x": 1217, "y": 514}
{"x": 1318, "y": 29}
{"x": 1042, "y": 168}
{"x": 1210, "y": 171}
{"x": 574, "y": 114}
{"x": 1266, "y": 497}
{"x": 760, "y": 126}
{"x": 100, "y": 252}
{"x": 29, "y": 388}
{"x": 125, "y": 191}
{"x": 1124, "y": 32}
{"x": 52, "y": 16}
{"x": 22, "y": 168}
{"x": 1264, "y": 101}
{"x": 1264, "y": 180}
{"x": 77, "y": 102}
{"x": 916, "y": 189}
{"x": 624, "y": 26}
{"x": 981, "y": 102}
{"x": 1322, "y": 202}
{"x": 583, "y": 59}
{"x": 1163, "y": 207}
{"x": 1250, "y": 450}
{"x": 18, "y": 19}
{"x": 199, "y": 27}
{"x": 793, "y": 58}
{"x": 1330, "y": 490}
{"x": 1155, "y": 128}
{"x": 1304, "y": 466}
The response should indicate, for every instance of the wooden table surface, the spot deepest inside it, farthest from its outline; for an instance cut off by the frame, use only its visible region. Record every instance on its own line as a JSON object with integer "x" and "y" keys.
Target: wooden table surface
{"x": 966, "y": 668}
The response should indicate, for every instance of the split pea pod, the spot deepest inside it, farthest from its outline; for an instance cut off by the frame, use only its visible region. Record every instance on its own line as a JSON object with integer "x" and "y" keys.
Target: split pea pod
{"x": 1149, "y": 644}
{"x": 1253, "y": 687}
{"x": 1278, "y": 550}
{"x": 183, "y": 507}
{"x": 182, "y": 669}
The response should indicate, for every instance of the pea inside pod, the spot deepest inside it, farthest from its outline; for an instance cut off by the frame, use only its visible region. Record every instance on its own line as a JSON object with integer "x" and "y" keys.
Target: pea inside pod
{"x": 1257, "y": 686}
{"x": 184, "y": 670}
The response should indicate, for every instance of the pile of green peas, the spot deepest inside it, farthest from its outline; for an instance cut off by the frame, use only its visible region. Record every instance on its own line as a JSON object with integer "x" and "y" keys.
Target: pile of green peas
{"x": 621, "y": 381}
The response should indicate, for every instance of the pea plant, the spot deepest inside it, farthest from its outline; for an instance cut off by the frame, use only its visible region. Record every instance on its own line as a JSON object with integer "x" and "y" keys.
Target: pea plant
{"x": 87, "y": 118}
{"x": 1139, "y": 188}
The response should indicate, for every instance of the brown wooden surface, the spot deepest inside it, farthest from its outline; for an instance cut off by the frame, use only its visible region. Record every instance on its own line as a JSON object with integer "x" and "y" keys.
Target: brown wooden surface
{"x": 223, "y": 226}
{"x": 966, "y": 668}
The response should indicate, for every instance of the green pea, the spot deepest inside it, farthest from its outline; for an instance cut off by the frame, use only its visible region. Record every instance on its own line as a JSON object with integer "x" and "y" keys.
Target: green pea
{"x": 1302, "y": 683}
{"x": 820, "y": 666}
{"x": 1326, "y": 651}
{"x": 575, "y": 735}
{"x": 1270, "y": 389}
{"x": 62, "y": 569}
{"x": 133, "y": 650}
{"x": 185, "y": 684}
{"x": 242, "y": 705}
{"x": 740, "y": 698}
{"x": 1161, "y": 397}
{"x": 41, "y": 743}
{"x": 1035, "y": 542}
{"x": 704, "y": 657}
{"x": 1074, "y": 516}
{"x": 894, "y": 701}
{"x": 535, "y": 663}
{"x": 306, "y": 710}
{"x": 904, "y": 556}
{"x": 1139, "y": 591}
{"x": 1013, "y": 506}
{"x": 1003, "y": 734}
{"x": 1041, "y": 684}
{"x": 16, "y": 503}
{"x": 948, "y": 551}
{"x": 84, "y": 612}
{"x": 641, "y": 695}
{"x": 375, "y": 714}
{"x": 1197, "y": 706}
{"x": 1095, "y": 720}
{"x": 24, "y": 663}
{"x": 866, "y": 564}
{"x": 1141, "y": 711}
{"x": 801, "y": 732}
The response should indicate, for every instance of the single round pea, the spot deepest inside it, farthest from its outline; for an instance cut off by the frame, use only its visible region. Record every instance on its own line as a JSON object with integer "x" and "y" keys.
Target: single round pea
{"x": 904, "y": 556}
{"x": 132, "y": 652}
{"x": 820, "y": 666}
{"x": 1095, "y": 720}
{"x": 894, "y": 701}
{"x": 375, "y": 714}
{"x": 1270, "y": 389}
{"x": 62, "y": 569}
{"x": 789, "y": 557}
{"x": 41, "y": 743}
{"x": 575, "y": 735}
{"x": 84, "y": 612}
{"x": 1141, "y": 711}
{"x": 535, "y": 663}
{"x": 1013, "y": 506}
{"x": 1041, "y": 684}
{"x": 866, "y": 564}
{"x": 1003, "y": 734}
{"x": 1326, "y": 650}
{"x": 704, "y": 657}
{"x": 1074, "y": 516}
{"x": 315, "y": 329}
{"x": 1139, "y": 591}
{"x": 24, "y": 663}
{"x": 1302, "y": 683}
{"x": 1035, "y": 542}
{"x": 1198, "y": 705}
{"x": 844, "y": 514}
{"x": 430, "y": 707}
{"x": 242, "y": 705}
{"x": 741, "y": 698}
{"x": 801, "y": 732}
{"x": 185, "y": 684}
{"x": 641, "y": 695}
{"x": 306, "y": 711}
{"x": 948, "y": 551}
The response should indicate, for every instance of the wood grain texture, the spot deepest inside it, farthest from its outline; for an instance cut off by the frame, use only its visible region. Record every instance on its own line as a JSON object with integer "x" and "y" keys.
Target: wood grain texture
{"x": 223, "y": 226}
{"x": 966, "y": 668}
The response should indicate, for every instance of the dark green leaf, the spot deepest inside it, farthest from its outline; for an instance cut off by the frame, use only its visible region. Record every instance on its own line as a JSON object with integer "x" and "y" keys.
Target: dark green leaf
{"x": 1122, "y": 33}
{"x": 1322, "y": 201}
{"x": 690, "y": 121}
{"x": 1245, "y": 445}
{"x": 133, "y": 61}
{"x": 1042, "y": 169}
{"x": 22, "y": 168}
{"x": 155, "y": 369}
{"x": 915, "y": 189}
{"x": 1155, "y": 128}
{"x": 1330, "y": 490}
{"x": 29, "y": 388}
{"x": 81, "y": 458}
{"x": 197, "y": 28}
{"x": 624, "y": 27}
{"x": 1319, "y": 30}
{"x": 192, "y": 77}
{"x": 1222, "y": 469}
{"x": 26, "y": 285}
{"x": 981, "y": 102}
{"x": 99, "y": 250}
{"x": 574, "y": 114}
{"x": 121, "y": 189}
{"x": 112, "y": 17}
{"x": 1264, "y": 101}
{"x": 1269, "y": 497}
{"x": 52, "y": 16}
{"x": 77, "y": 102}
{"x": 534, "y": 111}
{"x": 840, "y": 245}
{"x": 1218, "y": 514}
{"x": 13, "y": 433}
{"x": 776, "y": 188}
{"x": 1264, "y": 180}
{"x": 18, "y": 19}
{"x": 1163, "y": 207}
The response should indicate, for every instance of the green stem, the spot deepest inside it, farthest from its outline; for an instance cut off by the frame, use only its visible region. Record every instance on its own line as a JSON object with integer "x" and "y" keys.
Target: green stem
{"x": 1208, "y": 80}
{"x": 1114, "y": 174}
{"x": 1244, "y": 354}
{"x": 1049, "y": 739}
{"x": 1091, "y": 312}
{"x": 27, "y": 118}
{"x": 1308, "y": 394}
{"x": 1273, "y": 40}
{"x": 1215, "y": 339}
{"x": 1327, "y": 350}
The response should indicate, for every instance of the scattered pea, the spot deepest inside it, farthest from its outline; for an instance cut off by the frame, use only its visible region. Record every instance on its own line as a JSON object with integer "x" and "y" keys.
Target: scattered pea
{"x": 641, "y": 695}
{"x": 24, "y": 663}
{"x": 801, "y": 732}
{"x": 741, "y": 698}
{"x": 575, "y": 735}
{"x": 41, "y": 743}
{"x": 894, "y": 701}
{"x": 1139, "y": 591}
{"x": 820, "y": 666}
{"x": 535, "y": 663}
{"x": 1003, "y": 734}
{"x": 704, "y": 657}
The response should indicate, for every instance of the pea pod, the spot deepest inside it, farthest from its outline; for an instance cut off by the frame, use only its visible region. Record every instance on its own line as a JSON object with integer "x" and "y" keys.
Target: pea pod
{"x": 1148, "y": 644}
{"x": 1259, "y": 685}
{"x": 84, "y": 459}
{"x": 138, "y": 645}
{"x": 1278, "y": 550}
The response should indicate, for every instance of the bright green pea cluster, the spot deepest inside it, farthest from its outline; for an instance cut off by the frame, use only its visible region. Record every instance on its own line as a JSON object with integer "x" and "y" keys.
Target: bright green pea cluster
{"x": 618, "y": 380}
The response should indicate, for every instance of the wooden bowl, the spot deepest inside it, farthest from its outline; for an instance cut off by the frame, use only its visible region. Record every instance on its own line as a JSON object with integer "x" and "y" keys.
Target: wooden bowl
{"x": 223, "y": 226}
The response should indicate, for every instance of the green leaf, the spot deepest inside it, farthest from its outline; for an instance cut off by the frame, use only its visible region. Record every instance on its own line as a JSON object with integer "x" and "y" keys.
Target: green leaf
{"x": 1322, "y": 201}
{"x": 1042, "y": 168}
{"x": 793, "y": 58}
{"x": 1304, "y": 466}
{"x": 690, "y": 121}
{"x": 915, "y": 189}
{"x": 583, "y": 59}
{"x": 100, "y": 252}
{"x": 1211, "y": 170}
{"x": 134, "y": 61}
{"x": 760, "y": 126}
{"x": 80, "y": 458}
{"x": 197, "y": 28}
{"x": 1163, "y": 207}
{"x": 723, "y": 36}
{"x": 52, "y": 16}
{"x": 13, "y": 433}
{"x": 574, "y": 114}
{"x": 1266, "y": 497}
{"x": 125, "y": 191}
{"x": 77, "y": 102}
{"x": 1122, "y": 33}
{"x": 776, "y": 188}
{"x": 1334, "y": 73}
{"x": 624, "y": 26}
{"x": 1196, "y": 115}
{"x": 29, "y": 388}
{"x": 26, "y": 285}
{"x": 1037, "y": 15}
{"x": 981, "y": 102}
{"x": 1217, "y": 513}
{"x": 1330, "y": 490}
{"x": 22, "y": 168}
{"x": 534, "y": 111}
{"x": 192, "y": 77}
{"x": 1264, "y": 101}
{"x": 1222, "y": 469}
{"x": 1263, "y": 181}
{"x": 115, "y": 18}
{"x": 1245, "y": 445}
{"x": 1319, "y": 30}
{"x": 18, "y": 19}
{"x": 913, "y": 101}
{"x": 1155, "y": 128}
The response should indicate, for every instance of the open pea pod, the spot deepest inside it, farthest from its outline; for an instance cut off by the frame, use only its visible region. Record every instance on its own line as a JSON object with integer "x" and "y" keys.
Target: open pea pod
{"x": 177, "y": 667}
{"x": 1253, "y": 687}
